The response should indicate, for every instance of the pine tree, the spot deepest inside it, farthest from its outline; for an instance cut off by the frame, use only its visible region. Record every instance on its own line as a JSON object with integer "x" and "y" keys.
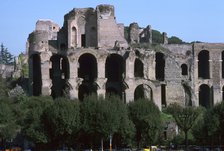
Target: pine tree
{"x": 5, "y": 56}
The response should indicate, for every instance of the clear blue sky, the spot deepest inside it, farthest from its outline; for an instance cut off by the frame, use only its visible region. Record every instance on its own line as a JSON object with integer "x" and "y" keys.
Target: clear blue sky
{"x": 191, "y": 20}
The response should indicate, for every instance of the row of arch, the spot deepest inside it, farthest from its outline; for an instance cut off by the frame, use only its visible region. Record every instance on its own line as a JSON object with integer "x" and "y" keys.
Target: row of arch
{"x": 87, "y": 70}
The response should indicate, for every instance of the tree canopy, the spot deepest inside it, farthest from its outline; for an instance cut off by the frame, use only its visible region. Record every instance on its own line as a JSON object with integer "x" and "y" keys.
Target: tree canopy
{"x": 146, "y": 118}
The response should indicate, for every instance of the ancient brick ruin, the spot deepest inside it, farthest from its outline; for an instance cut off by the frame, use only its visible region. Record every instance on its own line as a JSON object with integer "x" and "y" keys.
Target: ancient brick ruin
{"x": 89, "y": 54}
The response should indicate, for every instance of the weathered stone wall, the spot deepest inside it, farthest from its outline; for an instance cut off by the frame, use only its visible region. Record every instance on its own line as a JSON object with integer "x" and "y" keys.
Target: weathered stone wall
{"x": 93, "y": 33}
{"x": 108, "y": 31}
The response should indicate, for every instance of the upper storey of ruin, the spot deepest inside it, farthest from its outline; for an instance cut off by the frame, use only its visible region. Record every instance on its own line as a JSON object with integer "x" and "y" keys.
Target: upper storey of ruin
{"x": 83, "y": 27}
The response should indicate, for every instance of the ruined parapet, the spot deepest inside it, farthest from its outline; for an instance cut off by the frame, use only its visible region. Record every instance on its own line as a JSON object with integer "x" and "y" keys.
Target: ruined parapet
{"x": 146, "y": 35}
{"x": 107, "y": 29}
{"x": 165, "y": 38}
{"x": 133, "y": 33}
{"x": 38, "y": 41}
{"x": 49, "y": 26}
{"x": 81, "y": 27}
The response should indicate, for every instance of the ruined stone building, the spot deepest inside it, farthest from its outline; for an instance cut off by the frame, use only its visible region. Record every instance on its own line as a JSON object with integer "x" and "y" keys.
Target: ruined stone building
{"x": 89, "y": 54}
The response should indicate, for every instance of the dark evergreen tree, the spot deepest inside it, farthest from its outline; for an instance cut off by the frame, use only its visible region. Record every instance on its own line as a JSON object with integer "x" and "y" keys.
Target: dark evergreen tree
{"x": 5, "y": 56}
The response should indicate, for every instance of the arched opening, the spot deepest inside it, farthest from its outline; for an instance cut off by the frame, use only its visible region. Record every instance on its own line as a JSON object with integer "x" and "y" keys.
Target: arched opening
{"x": 160, "y": 66}
{"x": 203, "y": 64}
{"x": 205, "y": 96}
{"x": 59, "y": 74}
{"x": 139, "y": 68}
{"x": 37, "y": 78}
{"x": 88, "y": 72}
{"x": 184, "y": 69}
{"x": 143, "y": 91}
{"x": 114, "y": 68}
{"x": 87, "y": 68}
{"x": 222, "y": 64}
{"x": 74, "y": 37}
{"x": 115, "y": 71}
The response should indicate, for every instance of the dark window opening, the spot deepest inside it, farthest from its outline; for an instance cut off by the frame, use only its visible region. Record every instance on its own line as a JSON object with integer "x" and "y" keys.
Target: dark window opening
{"x": 160, "y": 65}
{"x": 222, "y": 64}
{"x": 203, "y": 64}
{"x": 139, "y": 93}
{"x": 83, "y": 40}
{"x": 74, "y": 37}
{"x": 114, "y": 72}
{"x": 205, "y": 96}
{"x": 184, "y": 69}
{"x": 37, "y": 79}
{"x": 163, "y": 95}
{"x": 88, "y": 72}
{"x": 114, "y": 68}
{"x": 59, "y": 73}
{"x": 87, "y": 68}
{"x": 138, "y": 69}
{"x": 223, "y": 93}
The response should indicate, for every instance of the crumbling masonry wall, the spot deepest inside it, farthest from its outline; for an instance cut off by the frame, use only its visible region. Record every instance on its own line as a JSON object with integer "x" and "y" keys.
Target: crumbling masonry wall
{"x": 89, "y": 54}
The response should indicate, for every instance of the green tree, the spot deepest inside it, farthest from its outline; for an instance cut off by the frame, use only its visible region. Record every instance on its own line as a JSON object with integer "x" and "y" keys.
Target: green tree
{"x": 61, "y": 121}
{"x": 185, "y": 117}
{"x": 210, "y": 131}
{"x": 32, "y": 125}
{"x": 3, "y": 88}
{"x": 8, "y": 121}
{"x": 102, "y": 118}
{"x": 126, "y": 131}
{"x": 157, "y": 37}
{"x": 146, "y": 118}
{"x": 174, "y": 40}
{"x": 5, "y": 56}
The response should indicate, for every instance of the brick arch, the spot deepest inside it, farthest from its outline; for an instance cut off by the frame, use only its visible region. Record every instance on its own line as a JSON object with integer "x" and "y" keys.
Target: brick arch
{"x": 143, "y": 91}
{"x": 87, "y": 67}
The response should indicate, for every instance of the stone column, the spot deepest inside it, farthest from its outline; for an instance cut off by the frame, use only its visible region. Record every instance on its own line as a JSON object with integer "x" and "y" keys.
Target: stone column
{"x": 74, "y": 81}
{"x": 130, "y": 65}
{"x": 216, "y": 94}
{"x": 157, "y": 96}
{"x": 101, "y": 80}
{"x": 45, "y": 73}
{"x": 131, "y": 90}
